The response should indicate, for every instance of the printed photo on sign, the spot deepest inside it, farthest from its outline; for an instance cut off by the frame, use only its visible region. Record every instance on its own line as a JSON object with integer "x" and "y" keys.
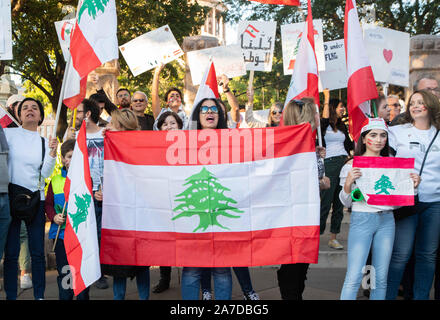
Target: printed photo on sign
{"x": 335, "y": 74}
{"x": 257, "y": 41}
{"x": 228, "y": 60}
{"x": 149, "y": 50}
{"x": 388, "y": 52}
{"x": 290, "y": 38}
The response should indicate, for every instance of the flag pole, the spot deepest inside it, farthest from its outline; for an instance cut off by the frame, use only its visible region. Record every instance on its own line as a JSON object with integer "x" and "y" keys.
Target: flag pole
{"x": 60, "y": 99}
{"x": 10, "y": 116}
{"x": 59, "y": 227}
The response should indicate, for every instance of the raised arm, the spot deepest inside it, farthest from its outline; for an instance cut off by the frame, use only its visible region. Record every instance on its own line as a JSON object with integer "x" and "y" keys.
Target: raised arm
{"x": 155, "y": 100}
{"x": 249, "y": 114}
{"x": 232, "y": 99}
{"x": 326, "y": 109}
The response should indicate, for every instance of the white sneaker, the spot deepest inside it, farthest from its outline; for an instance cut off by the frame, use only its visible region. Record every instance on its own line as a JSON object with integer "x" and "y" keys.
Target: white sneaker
{"x": 206, "y": 295}
{"x": 252, "y": 295}
{"x": 25, "y": 281}
{"x": 335, "y": 244}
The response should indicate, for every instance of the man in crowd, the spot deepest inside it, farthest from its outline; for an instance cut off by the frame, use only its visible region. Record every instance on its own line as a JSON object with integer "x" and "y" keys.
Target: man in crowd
{"x": 123, "y": 98}
{"x": 139, "y": 103}
{"x": 428, "y": 82}
{"x": 394, "y": 105}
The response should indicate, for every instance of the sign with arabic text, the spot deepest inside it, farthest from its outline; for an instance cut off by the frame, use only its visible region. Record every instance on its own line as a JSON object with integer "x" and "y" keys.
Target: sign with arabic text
{"x": 257, "y": 41}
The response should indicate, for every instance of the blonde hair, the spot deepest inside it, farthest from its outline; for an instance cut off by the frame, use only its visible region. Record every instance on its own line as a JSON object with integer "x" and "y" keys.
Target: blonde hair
{"x": 126, "y": 119}
{"x": 294, "y": 113}
{"x": 277, "y": 105}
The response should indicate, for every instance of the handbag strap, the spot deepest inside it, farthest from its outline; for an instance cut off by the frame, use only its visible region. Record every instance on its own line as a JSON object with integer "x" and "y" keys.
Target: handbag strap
{"x": 426, "y": 153}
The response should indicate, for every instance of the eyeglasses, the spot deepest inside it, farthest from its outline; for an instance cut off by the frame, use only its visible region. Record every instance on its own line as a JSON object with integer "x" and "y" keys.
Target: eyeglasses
{"x": 138, "y": 100}
{"x": 123, "y": 95}
{"x": 206, "y": 109}
{"x": 437, "y": 89}
{"x": 277, "y": 111}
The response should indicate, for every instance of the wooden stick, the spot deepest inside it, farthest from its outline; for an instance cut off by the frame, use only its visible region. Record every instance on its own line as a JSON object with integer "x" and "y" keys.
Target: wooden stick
{"x": 59, "y": 228}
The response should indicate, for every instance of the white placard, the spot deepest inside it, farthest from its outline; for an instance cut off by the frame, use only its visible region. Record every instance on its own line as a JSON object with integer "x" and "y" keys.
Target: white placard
{"x": 150, "y": 49}
{"x": 5, "y": 30}
{"x": 335, "y": 74}
{"x": 64, "y": 31}
{"x": 290, "y": 36}
{"x": 228, "y": 60}
{"x": 388, "y": 52}
{"x": 257, "y": 41}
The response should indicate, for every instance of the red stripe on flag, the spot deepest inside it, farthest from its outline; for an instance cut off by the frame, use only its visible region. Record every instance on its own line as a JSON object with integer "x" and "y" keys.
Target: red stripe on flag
{"x": 73, "y": 102}
{"x": 383, "y": 162}
{"x": 211, "y": 80}
{"x": 361, "y": 87}
{"x": 219, "y": 249}
{"x": 84, "y": 58}
{"x": 74, "y": 257}
{"x": 189, "y": 146}
{"x": 5, "y": 121}
{"x": 390, "y": 200}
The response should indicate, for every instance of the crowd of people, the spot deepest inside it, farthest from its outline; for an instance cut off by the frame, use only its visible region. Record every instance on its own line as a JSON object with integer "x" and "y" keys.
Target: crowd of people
{"x": 403, "y": 250}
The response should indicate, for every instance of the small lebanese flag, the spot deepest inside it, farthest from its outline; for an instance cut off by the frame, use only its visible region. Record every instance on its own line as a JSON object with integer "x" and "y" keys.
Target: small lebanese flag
{"x": 251, "y": 30}
{"x": 80, "y": 237}
{"x": 208, "y": 89}
{"x": 386, "y": 181}
{"x": 93, "y": 42}
{"x": 282, "y": 2}
{"x": 304, "y": 81}
{"x": 210, "y": 198}
{"x": 5, "y": 118}
{"x": 361, "y": 87}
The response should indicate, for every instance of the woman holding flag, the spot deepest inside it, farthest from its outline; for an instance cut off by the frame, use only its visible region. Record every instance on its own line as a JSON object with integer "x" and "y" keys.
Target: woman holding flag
{"x": 371, "y": 226}
{"x": 207, "y": 114}
{"x": 418, "y": 138}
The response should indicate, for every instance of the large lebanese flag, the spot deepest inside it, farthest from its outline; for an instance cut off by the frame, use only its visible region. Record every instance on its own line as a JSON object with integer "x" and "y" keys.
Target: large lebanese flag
{"x": 386, "y": 181}
{"x": 5, "y": 118}
{"x": 80, "y": 237}
{"x": 210, "y": 198}
{"x": 93, "y": 42}
{"x": 361, "y": 87}
{"x": 304, "y": 81}
{"x": 208, "y": 89}
{"x": 283, "y": 2}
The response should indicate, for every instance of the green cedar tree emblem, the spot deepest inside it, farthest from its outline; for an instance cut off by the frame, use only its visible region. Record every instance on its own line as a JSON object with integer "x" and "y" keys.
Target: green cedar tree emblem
{"x": 92, "y": 6}
{"x": 82, "y": 205}
{"x": 205, "y": 197}
{"x": 383, "y": 184}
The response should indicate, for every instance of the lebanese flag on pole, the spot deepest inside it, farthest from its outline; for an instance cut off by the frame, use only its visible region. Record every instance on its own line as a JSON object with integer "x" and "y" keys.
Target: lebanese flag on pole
{"x": 208, "y": 89}
{"x": 93, "y": 42}
{"x": 5, "y": 118}
{"x": 210, "y": 198}
{"x": 304, "y": 81}
{"x": 283, "y": 2}
{"x": 385, "y": 181}
{"x": 80, "y": 236}
{"x": 361, "y": 87}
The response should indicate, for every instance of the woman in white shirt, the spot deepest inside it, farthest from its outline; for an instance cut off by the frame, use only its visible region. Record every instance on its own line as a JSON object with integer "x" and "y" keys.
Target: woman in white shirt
{"x": 25, "y": 159}
{"x": 371, "y": 227}
{"x": 338, "y": 144}
{"x": 421, "y": 231}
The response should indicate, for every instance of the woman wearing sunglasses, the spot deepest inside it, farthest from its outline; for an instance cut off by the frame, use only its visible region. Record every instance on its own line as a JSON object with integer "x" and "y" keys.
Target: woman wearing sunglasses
{"x": 207, "y": 114}
{"x": 338, "y": 146}
{"x": 273, "y": 119}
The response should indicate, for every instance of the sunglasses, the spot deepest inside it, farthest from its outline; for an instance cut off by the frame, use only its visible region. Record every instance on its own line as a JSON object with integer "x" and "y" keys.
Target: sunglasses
{"x": 206, "y": 109}
{"x": 138, "y": 100}
{"x": 277, "y": 111}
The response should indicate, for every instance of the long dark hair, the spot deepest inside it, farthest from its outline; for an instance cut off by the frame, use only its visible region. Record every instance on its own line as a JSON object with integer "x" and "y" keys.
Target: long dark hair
{"x": 361, "y": 148}
{"x": 335, "y": 122}
{"x": 221, "y": 115}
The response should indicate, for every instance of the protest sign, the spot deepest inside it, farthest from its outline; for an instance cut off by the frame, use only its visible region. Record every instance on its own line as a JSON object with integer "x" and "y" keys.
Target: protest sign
{"x": 150, "y": 50}
{"x": 227, "y": 60}
{"x": 335, "y": 74}
{"x": 291, "y": 36}
{"x": 388, "y": 51}
{"x": 64, "y": 30}
{"x": 5, "y": 30}
{"x": 257, "y": 41}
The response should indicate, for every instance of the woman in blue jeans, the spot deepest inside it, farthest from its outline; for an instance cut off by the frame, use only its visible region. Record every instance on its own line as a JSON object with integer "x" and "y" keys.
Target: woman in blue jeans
{"x": 421, "y": 231}
{"x": 28, "y": 166}
{"x": 208, "y": 114}
{"x": 371, "y": 227}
